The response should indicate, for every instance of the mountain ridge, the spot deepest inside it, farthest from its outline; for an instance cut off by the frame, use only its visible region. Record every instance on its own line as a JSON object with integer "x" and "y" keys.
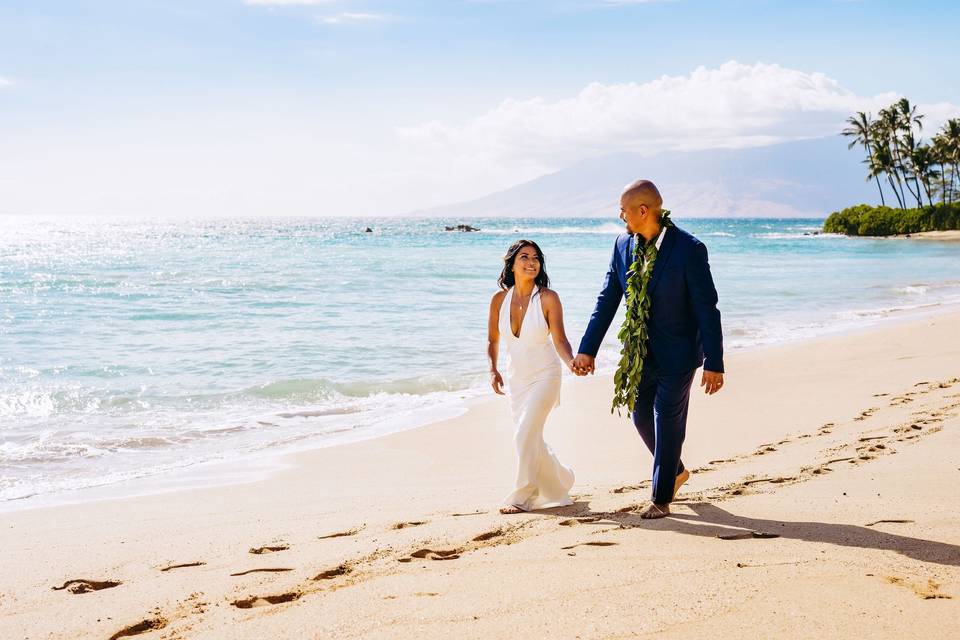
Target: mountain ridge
{"x": 801, "y": 179}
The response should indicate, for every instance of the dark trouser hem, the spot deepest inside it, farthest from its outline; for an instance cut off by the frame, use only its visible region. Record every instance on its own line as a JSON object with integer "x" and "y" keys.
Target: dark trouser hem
{"x": 660, "y": 416}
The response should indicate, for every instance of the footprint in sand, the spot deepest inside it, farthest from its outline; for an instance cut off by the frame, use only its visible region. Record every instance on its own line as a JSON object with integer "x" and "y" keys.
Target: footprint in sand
{"x": 929, "y": 591}
{"x": 264, "y": 570}
{"x": 342, "y": 534}
{"x": 595, "y": 543}
{"x": 263, "y": 601}
{"x": 434, "y": 554}
{"x": 407, "y": 525}
{"x": 150, "y": 624}
{"x": 183, "y": 566}
{"x": 86, "y": 586}
{"x": 573, "y": 521}
{"x": 330, "y": 574}
{"x": 489, "y": 535}
{"x": 875, "y": 522}
{"x": 632, "y": 487}
{"x": 261, "y": 550}
{"x": 777, "y": 480}
{"x": 747, "y": 535}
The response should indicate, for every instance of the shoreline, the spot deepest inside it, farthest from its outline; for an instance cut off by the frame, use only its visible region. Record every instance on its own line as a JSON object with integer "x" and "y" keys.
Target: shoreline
{"x": 942, "y": 236}
{"x": 263, "y": 465}
{"x": 809, "y": 443}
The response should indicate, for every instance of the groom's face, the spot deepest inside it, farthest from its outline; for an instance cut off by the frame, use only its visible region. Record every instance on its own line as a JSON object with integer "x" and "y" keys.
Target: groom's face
{"x": 634, "y": 213}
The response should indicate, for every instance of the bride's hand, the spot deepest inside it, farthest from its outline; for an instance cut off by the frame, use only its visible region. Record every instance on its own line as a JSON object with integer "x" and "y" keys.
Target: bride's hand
{"x": 496, "y": 382}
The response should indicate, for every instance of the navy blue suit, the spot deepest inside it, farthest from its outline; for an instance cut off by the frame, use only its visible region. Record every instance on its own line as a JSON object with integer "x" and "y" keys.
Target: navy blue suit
{"x": 684, "y": 330}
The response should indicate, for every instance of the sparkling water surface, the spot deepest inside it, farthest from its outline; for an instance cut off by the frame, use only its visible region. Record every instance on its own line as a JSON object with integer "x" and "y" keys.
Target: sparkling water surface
{"x": 140, "y": 347}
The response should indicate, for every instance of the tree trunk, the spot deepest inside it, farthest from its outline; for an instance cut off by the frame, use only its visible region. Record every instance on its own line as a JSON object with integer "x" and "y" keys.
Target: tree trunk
{"x": 882, "y": 201}
{"x": 900, "y": 168}
{"x": 943, "y": 183}
{"x": 866, "y": 146}
{"x": 892, "y": 186}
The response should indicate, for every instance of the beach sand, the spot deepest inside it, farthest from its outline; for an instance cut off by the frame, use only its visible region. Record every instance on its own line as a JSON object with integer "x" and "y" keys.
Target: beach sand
{"x": 823, "y": 504}
{"x": 943, "y": 236}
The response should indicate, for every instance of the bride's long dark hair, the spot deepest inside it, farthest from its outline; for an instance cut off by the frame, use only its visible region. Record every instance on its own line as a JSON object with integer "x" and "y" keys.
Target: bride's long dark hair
{"x": 506, "y": 279}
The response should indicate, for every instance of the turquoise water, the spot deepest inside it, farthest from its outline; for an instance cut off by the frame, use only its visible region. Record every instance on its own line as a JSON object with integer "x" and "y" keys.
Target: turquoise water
{"x": 132, "y": 348}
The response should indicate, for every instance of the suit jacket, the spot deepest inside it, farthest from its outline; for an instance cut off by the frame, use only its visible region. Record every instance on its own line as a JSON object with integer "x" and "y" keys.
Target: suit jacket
{"x": 684, "y": 324}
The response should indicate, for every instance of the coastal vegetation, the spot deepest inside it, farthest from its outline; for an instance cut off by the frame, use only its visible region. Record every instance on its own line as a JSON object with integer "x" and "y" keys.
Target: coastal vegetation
{"x": 866, "y": 220}
{"x": 922, "y": 178}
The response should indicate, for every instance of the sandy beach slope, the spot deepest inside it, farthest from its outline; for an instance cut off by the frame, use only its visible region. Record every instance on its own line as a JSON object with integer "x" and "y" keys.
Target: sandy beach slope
{"x": 824, "y": 504}
{"x": 944, "y": 236}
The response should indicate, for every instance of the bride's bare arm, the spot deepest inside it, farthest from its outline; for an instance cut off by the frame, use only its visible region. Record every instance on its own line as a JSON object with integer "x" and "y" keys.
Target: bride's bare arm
{"x": 553, "y": 312}
{"x": 493, "y": 340}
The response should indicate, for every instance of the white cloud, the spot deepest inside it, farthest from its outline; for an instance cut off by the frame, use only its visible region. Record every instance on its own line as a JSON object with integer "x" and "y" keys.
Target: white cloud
{"x": 5, "y": 82}
{"x": 734, "y": 105}
{"x": 353, "y": 17}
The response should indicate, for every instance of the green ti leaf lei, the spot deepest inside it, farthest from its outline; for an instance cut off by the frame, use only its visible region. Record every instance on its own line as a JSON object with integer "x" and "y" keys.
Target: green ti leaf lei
{"x": 633, "y": 333}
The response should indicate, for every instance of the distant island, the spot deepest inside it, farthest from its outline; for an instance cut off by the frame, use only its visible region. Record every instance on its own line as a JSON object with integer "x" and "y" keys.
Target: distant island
{"x": 928, "y": 173}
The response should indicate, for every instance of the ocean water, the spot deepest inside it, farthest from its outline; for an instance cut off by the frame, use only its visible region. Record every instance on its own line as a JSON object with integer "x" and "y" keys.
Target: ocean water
{"x": 133, "y": 348}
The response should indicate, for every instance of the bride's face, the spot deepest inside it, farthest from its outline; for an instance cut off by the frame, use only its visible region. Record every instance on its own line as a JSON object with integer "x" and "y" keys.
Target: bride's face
{"x": 526, "y": 266}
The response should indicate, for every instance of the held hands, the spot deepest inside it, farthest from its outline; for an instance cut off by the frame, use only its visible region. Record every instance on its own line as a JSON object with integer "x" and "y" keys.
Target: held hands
{"x": 712, "y": 381}
{"x": 582, "y": 364}
{"x": 496, "y": 382}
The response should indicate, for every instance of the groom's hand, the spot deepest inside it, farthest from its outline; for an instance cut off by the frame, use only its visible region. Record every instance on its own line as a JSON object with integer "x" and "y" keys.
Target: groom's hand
{"x": 712, "y": 381}
{"x": 583, "y": 364}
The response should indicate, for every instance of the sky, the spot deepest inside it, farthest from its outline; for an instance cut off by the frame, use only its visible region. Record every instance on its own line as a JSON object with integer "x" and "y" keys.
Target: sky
{"x": 383, "y": 107}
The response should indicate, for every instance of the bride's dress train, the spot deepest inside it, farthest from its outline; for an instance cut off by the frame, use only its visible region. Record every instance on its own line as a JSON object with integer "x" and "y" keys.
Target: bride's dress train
{"x": 533, "y": 383}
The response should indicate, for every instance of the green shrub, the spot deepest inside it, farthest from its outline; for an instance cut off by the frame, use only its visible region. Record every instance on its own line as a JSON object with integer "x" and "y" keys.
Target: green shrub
{"x": 865, "y": 220}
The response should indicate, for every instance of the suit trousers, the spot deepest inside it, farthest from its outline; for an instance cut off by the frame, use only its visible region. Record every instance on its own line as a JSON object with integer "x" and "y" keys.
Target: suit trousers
{"x": 660, "y": 416}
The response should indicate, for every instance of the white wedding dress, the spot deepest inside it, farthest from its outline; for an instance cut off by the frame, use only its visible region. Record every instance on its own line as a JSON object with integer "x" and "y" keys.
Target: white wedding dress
{"x": 533, "y": 385}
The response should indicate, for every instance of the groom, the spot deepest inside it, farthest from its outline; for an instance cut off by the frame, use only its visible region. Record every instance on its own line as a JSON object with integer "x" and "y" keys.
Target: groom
{"x": 683, "y": 328}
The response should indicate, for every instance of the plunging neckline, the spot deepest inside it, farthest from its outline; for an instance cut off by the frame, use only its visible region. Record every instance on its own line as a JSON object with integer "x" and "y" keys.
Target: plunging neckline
{"x": 523, "y": 319}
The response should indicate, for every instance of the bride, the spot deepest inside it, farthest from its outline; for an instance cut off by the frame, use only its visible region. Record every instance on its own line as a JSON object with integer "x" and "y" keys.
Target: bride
{"x": 526, "y": 313}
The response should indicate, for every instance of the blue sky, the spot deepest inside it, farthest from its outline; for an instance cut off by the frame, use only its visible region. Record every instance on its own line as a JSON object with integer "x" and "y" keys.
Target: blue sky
{"x": 371, "y": 107}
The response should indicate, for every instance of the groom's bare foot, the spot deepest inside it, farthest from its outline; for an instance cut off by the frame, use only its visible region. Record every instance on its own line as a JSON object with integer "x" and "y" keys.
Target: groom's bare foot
{"x": 510, "y": 510}
{"x": 655, "y": 511}
{"x": 681, "y": 478}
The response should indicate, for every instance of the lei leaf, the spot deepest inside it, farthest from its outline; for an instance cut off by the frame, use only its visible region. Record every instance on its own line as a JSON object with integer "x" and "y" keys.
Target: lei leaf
{"x": 633, "y": 333}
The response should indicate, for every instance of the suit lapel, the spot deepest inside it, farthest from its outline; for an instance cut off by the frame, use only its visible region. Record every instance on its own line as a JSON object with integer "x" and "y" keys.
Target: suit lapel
{"x": 627, "y": 260}
{"x": 662, "y": 256}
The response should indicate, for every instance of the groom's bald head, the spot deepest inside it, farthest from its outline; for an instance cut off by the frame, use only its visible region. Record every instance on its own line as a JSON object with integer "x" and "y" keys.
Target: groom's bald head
{"x": 641, "y": 192}
{"x": 640, "y": 208}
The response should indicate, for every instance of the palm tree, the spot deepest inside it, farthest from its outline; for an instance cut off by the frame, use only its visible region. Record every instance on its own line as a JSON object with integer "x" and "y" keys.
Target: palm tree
{"x": 924, "y": 163}
{"x": 950, "y": 144}
{"x": 882, "y": 162}
{"x": 908, "y": 117}
{"x": 860, "y": 130}
{"x": 885, "y": 133}
{"x": 938, "y": 151}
